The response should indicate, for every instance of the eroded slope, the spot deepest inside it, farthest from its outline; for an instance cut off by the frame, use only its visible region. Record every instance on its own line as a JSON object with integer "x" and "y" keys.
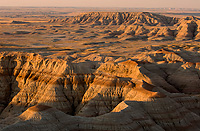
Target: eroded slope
{"x": 118, "y": 18}
{"x": 140, "y": 25}
{"x": 156, "y": 89}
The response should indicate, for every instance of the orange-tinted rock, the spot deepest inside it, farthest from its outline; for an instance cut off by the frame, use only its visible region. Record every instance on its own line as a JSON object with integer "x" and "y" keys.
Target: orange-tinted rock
{"x": 152, "y": 87}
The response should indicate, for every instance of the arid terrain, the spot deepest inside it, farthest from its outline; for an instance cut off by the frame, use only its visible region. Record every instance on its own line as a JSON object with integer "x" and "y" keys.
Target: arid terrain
{"x": 93, "y": 69}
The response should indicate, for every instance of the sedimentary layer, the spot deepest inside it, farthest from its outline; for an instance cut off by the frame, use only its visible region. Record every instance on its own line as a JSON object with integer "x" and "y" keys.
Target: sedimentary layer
{"x": 156, "y": 89}
{"x": 140, "y": 25}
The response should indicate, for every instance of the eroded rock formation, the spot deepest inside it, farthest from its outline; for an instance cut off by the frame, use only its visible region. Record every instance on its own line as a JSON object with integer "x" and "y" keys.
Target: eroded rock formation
{"x": 156, "y": 89}
{"x": 118, "y": 18}
{"x": 140, "y": 25}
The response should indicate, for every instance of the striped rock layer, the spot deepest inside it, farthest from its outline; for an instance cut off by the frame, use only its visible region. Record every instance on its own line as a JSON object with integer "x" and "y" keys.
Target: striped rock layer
{"x": 157, "y": 89}
{"x": 140, "y": 25}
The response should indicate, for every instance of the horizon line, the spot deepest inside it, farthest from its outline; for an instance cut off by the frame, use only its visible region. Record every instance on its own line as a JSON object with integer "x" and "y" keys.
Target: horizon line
{"x": 172, "y": 8}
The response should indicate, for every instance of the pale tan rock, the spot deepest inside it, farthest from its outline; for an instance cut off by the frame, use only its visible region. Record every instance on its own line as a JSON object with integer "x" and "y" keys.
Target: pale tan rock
{"x": 186, "y": 29}
{"x": 145, "y": 92}
{"x": 140, "y": 25}
{"x": 118, "y": 18}
{"x": 162, "y": 34}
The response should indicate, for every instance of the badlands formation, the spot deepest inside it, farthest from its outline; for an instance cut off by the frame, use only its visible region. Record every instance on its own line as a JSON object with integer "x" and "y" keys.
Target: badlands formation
{"x": 104, "y": 79}
{"x": 141, "y": 25}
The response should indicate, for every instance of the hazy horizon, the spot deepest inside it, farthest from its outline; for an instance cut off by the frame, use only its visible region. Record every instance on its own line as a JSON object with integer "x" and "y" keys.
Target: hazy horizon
{"x": 105, "y": 3}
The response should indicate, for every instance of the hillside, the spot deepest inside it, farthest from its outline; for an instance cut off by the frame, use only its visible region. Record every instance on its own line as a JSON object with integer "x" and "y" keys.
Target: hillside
{"x": 155, "y": 90}
{"x": 98, "y": 71}
{"x": 141, "y": 25}
{"x": 118, "y": 18}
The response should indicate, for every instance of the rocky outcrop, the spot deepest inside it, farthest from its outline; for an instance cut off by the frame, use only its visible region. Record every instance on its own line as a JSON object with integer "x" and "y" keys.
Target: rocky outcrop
{"x": 164, "y": 33}
{"x": 156, "y": 89}
{"x": 186, "y": 30}
{"x": 128, "y": 115}
{"x": 32, "y": 80}
{"x": 140, "y": 25}
{"x": 118, "y": 18}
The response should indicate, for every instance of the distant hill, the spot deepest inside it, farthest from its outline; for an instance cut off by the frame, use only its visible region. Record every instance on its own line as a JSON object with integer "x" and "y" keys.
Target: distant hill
{"x": 118, "y": 18}
{"x": 141, "y": 25}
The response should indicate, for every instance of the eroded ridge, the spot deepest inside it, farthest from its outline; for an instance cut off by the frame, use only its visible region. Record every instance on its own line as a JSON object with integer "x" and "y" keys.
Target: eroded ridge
{"x": 140, "y": 25}
{"x": 156, "y": 89}
{"x": 118, "y": 18}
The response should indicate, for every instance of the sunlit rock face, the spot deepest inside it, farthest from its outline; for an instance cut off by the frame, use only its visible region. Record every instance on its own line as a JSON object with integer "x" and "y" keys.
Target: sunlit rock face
{"x": 118, "y": 18}
{"x": 157, "y": 89}
{"x": 140, "y": 25}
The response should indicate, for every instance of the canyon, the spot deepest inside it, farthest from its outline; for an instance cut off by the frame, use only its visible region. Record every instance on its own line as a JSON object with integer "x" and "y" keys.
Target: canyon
{"x": 101, "y": 71}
